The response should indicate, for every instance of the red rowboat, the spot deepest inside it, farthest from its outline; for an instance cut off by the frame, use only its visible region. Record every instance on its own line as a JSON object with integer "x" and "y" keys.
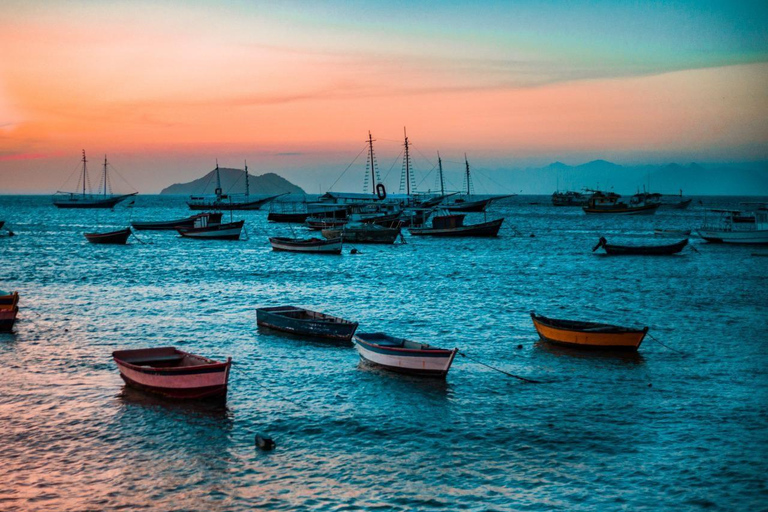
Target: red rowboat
{"x": 8, "y": 310}
{"x": 113, "y": 237}
{"x": 173, "y": 373}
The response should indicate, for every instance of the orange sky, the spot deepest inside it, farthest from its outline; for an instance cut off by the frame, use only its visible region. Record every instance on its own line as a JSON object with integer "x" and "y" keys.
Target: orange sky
{"x": 165, "y": 86}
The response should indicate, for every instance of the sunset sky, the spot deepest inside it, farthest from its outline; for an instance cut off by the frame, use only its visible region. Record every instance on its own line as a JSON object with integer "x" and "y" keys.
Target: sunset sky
{"x": 164, "y": 88}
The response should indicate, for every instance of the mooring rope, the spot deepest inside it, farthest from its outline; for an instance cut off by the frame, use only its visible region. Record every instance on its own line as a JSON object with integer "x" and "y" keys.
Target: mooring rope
{"x": 139, "y": 239}
{"x": 524, "y": 379}
{"x": 663, "y": 345}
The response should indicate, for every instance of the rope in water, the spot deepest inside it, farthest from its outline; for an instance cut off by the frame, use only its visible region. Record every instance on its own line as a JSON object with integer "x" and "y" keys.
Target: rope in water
{"x": 140, "y": 240}
{"x": 524, "y": 379}
{"x": 663, "y": 345}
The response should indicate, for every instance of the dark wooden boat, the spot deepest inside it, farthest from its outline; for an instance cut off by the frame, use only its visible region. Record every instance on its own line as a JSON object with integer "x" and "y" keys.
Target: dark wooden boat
{"x": 641, "y": 250}
{"x": 364, "y": 233}
{"x": 320, "y": 223}
{"x": 305, "y": 322}
{"x": 672, "y": 233}
{"x": 227, "y": 202}
{"x": 588, "y": 334}
{"x": 462, "y": 205}
{"x": 229, "y": 231}
{"x": 173, "y": 373}
{"x": 113, "y": 237}
{"x": 306, "y": 245}
{"x": 404, "y": 356}
{"x": 298, "y": 218}
{"x": 453, "y": 226}
{"x": 9, "y": 308}
{"x": 81, "y": 199}
{"x": 172, "y": 225}
{"x": 608, "y": 203}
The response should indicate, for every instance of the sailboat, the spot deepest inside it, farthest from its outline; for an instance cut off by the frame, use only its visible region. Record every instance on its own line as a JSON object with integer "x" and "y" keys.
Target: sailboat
{"x": 465, "y": 205}
{"x": 89, "y": 200}
{"x": 223, "y": 201}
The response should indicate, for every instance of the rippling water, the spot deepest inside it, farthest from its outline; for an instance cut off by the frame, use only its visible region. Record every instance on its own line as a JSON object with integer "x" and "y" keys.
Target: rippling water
{"x": 659, "y": 430}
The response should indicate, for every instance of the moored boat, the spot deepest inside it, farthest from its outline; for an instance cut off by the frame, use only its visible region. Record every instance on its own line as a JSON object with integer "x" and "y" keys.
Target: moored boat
{"x": 453, "y": 226}
{"x": 221, "y": 201}
{"x": 732, "y": 229}
{"x": 641, "y": 250}
{"x": 288, "y": 217}
{"x": 588, "y": 334}
{"x": 608, "y": 203}
{"x": 83, "y": 199}
{"x": 306, "y": 245}
{"x": 568, "y": 198}
{"x": 9, "y": 308}
{"x": 173, "y": 373}
{"x": 404, "y": 356}
{"x": 305, "y": 322}
{"x": 172, "y": 225}
{"x": 228, "y": 231}
{"x": 320, "y": 223}
{"x": 673, "y": 233}
{"x": 364, "y": 233}
{"x": 119, "y": 237}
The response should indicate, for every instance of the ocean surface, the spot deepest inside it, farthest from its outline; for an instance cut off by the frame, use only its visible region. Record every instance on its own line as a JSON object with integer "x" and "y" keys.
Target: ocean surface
{"x": 659, "y": 430}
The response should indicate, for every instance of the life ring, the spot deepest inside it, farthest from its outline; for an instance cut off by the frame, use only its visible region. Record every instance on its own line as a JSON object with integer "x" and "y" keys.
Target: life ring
{"x": 381, "y": 191}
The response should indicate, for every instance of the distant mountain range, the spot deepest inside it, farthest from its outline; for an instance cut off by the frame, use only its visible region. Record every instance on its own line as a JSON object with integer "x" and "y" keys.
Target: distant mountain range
{"x": 233, "y": 182}
{"x": 692, "y": 179}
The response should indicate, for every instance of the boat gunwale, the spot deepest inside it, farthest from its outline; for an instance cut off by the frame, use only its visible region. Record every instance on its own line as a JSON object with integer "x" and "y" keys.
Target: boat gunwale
{"x": 434, "y": 351}
{"x": 212, "y": 366}
{"x": 616, "y": 329}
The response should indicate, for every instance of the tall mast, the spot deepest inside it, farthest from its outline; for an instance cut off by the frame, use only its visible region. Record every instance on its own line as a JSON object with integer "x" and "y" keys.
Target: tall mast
{"x": 218, "y": 180}
{"x": 84, "y": 171}
{"x": 468, "y": 178}
{"x": 440, "y": 166}
{"x": 373, "y": 172}
{"x": 247, "y": 185}
{"x": 407, "y": 166}
{"x": 105, "y": 175}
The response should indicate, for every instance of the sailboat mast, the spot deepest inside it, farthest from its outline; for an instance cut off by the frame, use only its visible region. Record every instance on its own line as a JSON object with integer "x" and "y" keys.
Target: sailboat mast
{"x": 407, "y": 166}
{"x": 247, "y": 184}
{"x": 84, "y": 171}
{"x": 440, "y": 166}
{"x": 468, "y": 178}
{"x": 373, "y": 172}
{"x": 218, "y": 180}
{"x": 105, "y": 175}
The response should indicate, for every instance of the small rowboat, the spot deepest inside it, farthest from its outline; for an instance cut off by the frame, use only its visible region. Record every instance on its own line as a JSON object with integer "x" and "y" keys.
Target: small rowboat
{"x": 319, "y": 223}
{"x": 588, "y": 334}
{"x": 309, "y": 245}
{"x": 404, "y": 356}
{"x": 640, "y": 250}
{"x": 189, "y": 222}
{"x": 672, "y": 233}
{"x": 305, "y": 322}
{"x": 453, "y": 225}
{"x": 364, "y": 233}
{"x": 113, "y": 237}
{"x": 9, "y": 308}
{"x": 173, "y": 373}
{"x": 229, "y": 231}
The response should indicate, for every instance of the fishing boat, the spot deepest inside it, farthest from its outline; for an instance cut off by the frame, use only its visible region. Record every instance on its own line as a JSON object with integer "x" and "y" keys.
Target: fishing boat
{"x": 404, "y": 356}
{"x": 608, "y": 203}
{"x": 83, "y": 199}
{"x": 305, "y": 322}
{"x": 588, "y": 334}
{"x": 172, "y": 225}
{"x": 466, "y": 204}
{"x": 729, "y": 230}
{"x": 363, "y": 233}
{"x": 173, "y": 373}
{"x": 320, "y": 223}
{"x": 306, "y": 245}
{"x": 221, "y": 201}
{"x": 568, "y": 198}
{"x": 453, "y": 226}
{"x": 640, "y": 250}
{"x": 672, "y": 233}
{"x": 119, "y": 237}
{"x": 228, "y": 231}
{"x": 9, "y": 308}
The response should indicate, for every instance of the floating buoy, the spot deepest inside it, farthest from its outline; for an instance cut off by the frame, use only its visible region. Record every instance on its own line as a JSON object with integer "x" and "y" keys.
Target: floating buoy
{"x": 533, "y": 235}
{"x": 264, "y": 443}
{"x": 519, "y": 347}
{"x": 650, "y": 385}
{"x": 353, "y": 251}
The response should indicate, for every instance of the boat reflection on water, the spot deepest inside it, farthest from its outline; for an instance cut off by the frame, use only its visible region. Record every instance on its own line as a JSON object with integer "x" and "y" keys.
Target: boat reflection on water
{"x": 215, "y": 407}
{"x": 407, "y": 383}
{"x": 625, "y": 356}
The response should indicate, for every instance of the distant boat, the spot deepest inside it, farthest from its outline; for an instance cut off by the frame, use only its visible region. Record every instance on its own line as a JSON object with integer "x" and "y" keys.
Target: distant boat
{"x": 363, "y": 233}
{"x": 588, "y": 334}
{"x": 640, "y": 250}
{"x": 88, "y": 200}
{"x": 229, "y": 231}
{"x": 305, "y": 322}
{"x": 173, "y": 373}
{"x": 466, "y": 204}
{"x": 404, "y": 356}
{"x": 288, "y": 217}
{"x": 319, "y": 223}
{"x": 674, "y": 233}
{"x": 453, "y": 226}
{"x": 119, "y": 237}
{"x": 607, "y": 203}
{"x": 9, "y": 308}
{"x": 568, "y": 198}
{"x": 173, "y": 225}
{"x": 733, "y": 229}
{"x": 306, "y": 245}
{"x": 223, "y": 201}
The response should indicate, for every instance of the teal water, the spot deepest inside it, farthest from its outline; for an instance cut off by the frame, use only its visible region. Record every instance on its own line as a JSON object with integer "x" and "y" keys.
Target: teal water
{"x": 655, "y": 431}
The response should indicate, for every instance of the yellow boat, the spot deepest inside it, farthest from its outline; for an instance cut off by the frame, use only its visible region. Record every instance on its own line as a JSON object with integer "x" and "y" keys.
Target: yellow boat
{"x": 588, "y": 334}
